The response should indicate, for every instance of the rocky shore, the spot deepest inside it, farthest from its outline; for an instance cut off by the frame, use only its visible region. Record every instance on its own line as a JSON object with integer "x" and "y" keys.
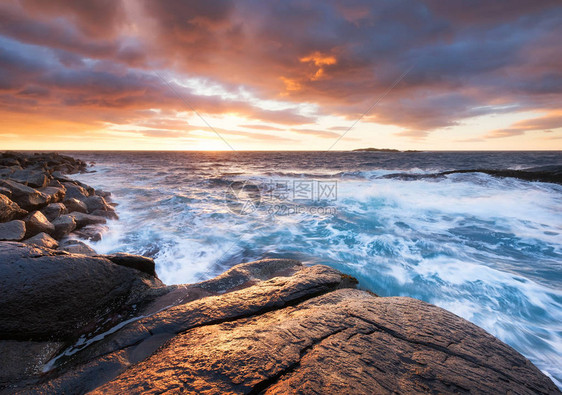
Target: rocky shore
{"x": 41, "y": 206}
{"x": 74, "y": 322}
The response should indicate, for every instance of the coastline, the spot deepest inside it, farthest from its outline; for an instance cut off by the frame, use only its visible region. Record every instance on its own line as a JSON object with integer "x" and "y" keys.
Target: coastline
{"x": 143, "y": 327}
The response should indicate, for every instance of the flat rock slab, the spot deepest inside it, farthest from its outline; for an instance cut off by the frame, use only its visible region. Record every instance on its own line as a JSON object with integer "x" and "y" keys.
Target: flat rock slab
{"x": 275, "y": 326}
{"x": 347, "y": 340}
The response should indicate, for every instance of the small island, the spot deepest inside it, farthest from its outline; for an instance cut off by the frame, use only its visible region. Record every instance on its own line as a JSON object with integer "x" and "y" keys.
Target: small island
{"x": 380, "y": 150}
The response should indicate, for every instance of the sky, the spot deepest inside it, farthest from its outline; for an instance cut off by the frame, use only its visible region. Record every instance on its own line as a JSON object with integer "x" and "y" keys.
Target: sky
{"x": 281, "y": 75}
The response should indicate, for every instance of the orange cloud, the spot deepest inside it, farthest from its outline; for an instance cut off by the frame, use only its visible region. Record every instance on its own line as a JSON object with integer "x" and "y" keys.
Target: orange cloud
{"x": 319, "y": 61}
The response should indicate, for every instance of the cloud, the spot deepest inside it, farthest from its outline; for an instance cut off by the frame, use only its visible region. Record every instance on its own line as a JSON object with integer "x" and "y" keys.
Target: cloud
{"x": 93, "y": 61}
{"x": 552, "y": 121}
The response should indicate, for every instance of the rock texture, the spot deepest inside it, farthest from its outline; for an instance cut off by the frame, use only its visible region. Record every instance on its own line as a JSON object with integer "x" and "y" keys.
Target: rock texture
{"x": 50, "y": 295}
{"x": 9, "y": 210}
{"x": 275, "y": 326}
{"x": 34, "y": 188}
{"x": 42, "y": 240}
{"x": 12, "y": 231}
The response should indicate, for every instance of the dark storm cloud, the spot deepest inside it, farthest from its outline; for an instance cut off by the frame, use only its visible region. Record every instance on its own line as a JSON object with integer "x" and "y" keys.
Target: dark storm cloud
{"x": 469, "y": 58}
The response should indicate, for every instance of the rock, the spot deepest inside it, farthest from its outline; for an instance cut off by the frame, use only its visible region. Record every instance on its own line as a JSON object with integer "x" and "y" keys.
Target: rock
{"x": 102, "y": 193}
{"x": 56, "y": 296}
{"x": 77, "y": 247}
{"x": 274, "y": 326}
{"x": 42, "y": 240}
{"x": 26, "y": 197}
{"x": 54, "y": 194}
{"x": 30, "y": 177}
{"x": 10, "y": 210}
{"x": 26, "y": 358}
{"x": 86, "y": 219}
{"x": 109, "y": 214}
{"x": 6, "y": 192}
{"x": 75, "y": 191}
{"x": 59, "y": 176}
{"x": 137, "y": 262}
{"x": 12, "y": 231}
{"x": 91, "y": 232}
{"x": 76, "y": 205}
{"x": 64, "y": 225}
{"x": 36, "y": 223}
{"x": 331, "y": 344}
{"x": 8, "y": 162}
{"x": 94, "y": 203}
{"x": 53, "y": 211}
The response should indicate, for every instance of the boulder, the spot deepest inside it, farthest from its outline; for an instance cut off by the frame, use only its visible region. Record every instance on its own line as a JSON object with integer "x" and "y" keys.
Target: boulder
{"x": 64, "y": 225}
{"x": 137, "y": 262}
{"x": 77, "y": 247}
{"x": 36, "y": 223}
{"x": 12, "y": 231}
{"x": 109, "y": 214}
{"x": 75, "y": 205}
{"x": 42, "y": 240}
{"x": 91, "y": 232}
{"x": 86, "y": 219}
{"x": 102, "y": 193}
{"x": 56, "y": 296}
{"x": 75, "y": 191}
{"x": 94, "y": 203}
{"x": 53, "y": 211}
{"x": 30, "y": 177}
{"x": 54, "y": 194}
{"x": 26, "y": 197}
{"x": 10, "y": 210}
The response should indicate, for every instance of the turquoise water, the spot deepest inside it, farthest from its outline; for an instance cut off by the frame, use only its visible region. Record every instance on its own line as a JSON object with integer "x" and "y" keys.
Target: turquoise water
{"x": 488, "y": 249}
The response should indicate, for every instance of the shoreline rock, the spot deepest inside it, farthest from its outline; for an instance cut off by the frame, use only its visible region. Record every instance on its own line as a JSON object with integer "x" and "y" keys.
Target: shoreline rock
{"x": 35, "y": 188}
{"x": 270, "y": 326}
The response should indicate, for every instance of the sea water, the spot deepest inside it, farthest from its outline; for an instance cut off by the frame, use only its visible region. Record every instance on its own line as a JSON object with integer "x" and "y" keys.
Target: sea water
{"x": 488, "y": 249}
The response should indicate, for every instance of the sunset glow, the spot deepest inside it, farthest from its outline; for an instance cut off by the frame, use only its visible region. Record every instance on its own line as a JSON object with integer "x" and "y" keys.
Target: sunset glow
{"x": 169, "y": 75}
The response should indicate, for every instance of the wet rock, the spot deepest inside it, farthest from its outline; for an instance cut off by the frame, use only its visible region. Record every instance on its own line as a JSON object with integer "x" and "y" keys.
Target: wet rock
{"x": 36, "y": 223}
{"x": 52, "y": 295}
{"x": 23, "y": 359}
{"x": 91, "y": 232}
{"x": 12, "y": 231}
{"x": 75, "y": 205}
{"x": 54, "y": 194}
{"x": 53, "y": 211}
{"x": 86, "y": 219}
{"x": 64, "y": 225}
{"x": 30, "y": 177}
{"x": 109, "y": 214}
{"x": 26, "y": 197}
{"x": 77, "y": 247}
{"x": 10, "y": 210}
{"x": 137, "y": 262}
{"x": 104, "y": 194}
{"x": 42, "y": 240}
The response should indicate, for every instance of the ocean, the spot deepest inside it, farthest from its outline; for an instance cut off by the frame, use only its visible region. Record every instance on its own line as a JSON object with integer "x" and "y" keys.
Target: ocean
{"x": 488, "y": 249}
